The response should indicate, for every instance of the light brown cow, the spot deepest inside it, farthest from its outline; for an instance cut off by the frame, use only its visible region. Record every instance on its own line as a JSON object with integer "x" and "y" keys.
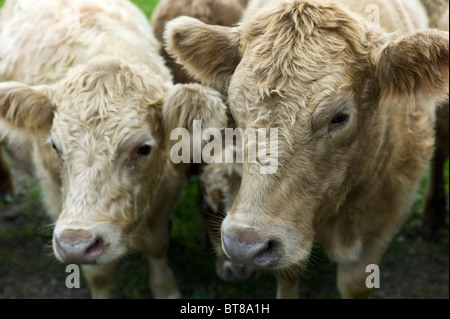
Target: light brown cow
{"x": 218, "y": 184}
{"x": 90, "y": 90}
{"x": 353, "y": 101}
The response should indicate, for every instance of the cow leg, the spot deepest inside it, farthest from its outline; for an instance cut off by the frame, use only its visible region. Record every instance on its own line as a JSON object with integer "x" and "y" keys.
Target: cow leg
{"x": 287, "y": 287}
{"x": 162, "y": 281}
{"x": 352, "y": 275}
{"x": 153, "y": 239}
{"x": 351, "y": 280}
{"x": 99, "y": 278}
{"x": 155, "y": 243}
{"x": 6, "y": 184}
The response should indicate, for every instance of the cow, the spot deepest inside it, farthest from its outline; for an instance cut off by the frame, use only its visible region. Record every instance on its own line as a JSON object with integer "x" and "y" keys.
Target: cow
{"x": 84, "y": 84}
{"x": 435, "y": 204}
{"x": 215, "y": 12}
{"x": 353, "y": 102}
{"x": 217, "y": 183}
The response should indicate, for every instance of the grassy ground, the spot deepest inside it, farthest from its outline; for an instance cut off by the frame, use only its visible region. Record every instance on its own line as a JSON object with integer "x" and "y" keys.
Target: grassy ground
{"x": 413, "y": 267}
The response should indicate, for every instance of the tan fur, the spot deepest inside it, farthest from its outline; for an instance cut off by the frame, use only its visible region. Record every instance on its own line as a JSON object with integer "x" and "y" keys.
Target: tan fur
{"x": 98, "y": 92}
{"x": 296, "y": 65}
{"x": 25, "y": 107}
{"x": 400, "y": 75}
{"x": 215, "y": 12}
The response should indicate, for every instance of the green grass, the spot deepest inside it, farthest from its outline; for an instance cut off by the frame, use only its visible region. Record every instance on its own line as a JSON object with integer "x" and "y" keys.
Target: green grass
{"x": 146, "y": 6}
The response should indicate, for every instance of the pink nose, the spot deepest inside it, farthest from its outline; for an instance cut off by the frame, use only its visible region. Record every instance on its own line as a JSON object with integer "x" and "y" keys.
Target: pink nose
{"x": 79, "y": 246}
{"x": 247, "y": 247}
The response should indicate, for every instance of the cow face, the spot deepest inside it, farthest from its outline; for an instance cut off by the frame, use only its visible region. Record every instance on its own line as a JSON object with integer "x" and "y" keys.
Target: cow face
{"x": 107, "y": 124}
{"x": 325, "y": 79}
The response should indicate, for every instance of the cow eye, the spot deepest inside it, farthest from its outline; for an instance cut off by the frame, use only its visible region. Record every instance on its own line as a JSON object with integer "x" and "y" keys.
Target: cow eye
{"x": 144, "y": 150}
{"x": 339, "y": 120}
{"x": 55, "y": 148}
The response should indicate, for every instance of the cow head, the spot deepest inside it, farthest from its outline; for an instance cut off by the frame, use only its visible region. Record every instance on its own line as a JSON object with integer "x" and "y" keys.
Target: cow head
{"x": 108, "y": 123}
{"x": 328, "y": 81}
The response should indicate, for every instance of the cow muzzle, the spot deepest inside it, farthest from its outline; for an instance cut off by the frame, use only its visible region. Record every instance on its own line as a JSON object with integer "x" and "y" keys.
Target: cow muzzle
{"x": 79, "y": 246}
{"x": 247, "y": 246}
{"x": 230, "y": 271}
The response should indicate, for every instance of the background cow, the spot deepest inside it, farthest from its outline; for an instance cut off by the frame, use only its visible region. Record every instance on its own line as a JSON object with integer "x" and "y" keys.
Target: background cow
{"x": 354, "y": 102}
{"x": 218, "y": 183}
{"x": 214, "y": 12}
{"x": 90, "y": 93}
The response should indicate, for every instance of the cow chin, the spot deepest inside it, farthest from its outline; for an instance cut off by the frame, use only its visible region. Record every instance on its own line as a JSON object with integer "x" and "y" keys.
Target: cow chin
{"x": 265, "y": 247}
{"x": 81, "y": 245}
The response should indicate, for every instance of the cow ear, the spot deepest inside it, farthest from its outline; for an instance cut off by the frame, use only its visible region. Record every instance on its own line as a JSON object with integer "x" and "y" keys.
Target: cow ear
{"x": 186, "y": 103}
{"x": 209, "y": 53}
{"x": 412, "y": 71}
{"x": 26, "y": 107}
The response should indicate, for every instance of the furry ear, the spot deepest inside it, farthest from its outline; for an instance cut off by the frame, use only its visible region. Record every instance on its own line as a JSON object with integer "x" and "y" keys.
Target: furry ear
{"x": 188, "y": 102}
{"x": 183, "y": 106}
{"x": 210, "y": 53}
{"x": 26, "y": 107}
{"x": 413, "y": 71}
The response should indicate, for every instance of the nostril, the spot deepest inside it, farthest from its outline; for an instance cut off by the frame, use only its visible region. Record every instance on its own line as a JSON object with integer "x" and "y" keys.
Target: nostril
{"x": 269, "y": 255}
{"x": 96, "y": 249}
